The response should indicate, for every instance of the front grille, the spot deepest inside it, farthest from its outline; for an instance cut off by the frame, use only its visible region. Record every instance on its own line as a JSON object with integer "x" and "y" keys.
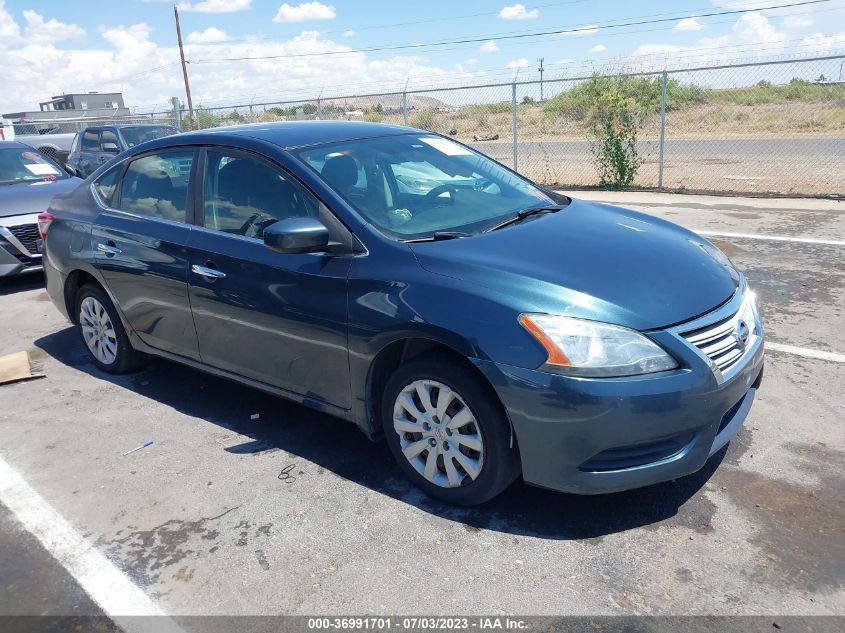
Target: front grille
{"x": 719, "y": 342}
{"x": 28, "y": 235}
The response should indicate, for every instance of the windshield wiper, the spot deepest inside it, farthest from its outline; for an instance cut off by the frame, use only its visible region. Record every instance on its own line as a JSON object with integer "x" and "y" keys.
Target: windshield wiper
{"x": 526, "y": 213}
{"x": 438, "y": 236}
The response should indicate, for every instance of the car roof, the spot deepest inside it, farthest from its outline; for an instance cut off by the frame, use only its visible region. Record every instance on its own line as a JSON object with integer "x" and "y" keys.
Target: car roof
{"x": 292, "y": 134}
{"x": 123, "y": 125}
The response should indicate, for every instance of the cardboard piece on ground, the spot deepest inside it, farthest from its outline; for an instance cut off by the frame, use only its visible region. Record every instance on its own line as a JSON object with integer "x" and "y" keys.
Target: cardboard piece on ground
{"x": 16, "y": 367}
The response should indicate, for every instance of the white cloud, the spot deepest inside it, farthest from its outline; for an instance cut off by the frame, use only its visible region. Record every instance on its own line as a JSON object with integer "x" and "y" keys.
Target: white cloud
{"x": 216, "y": 6}
{"x": 9, "y": 29}
{"x": 349, "y": 33}
{"x": 304, "y": 12}
{"x": 796, "y": 21}
{"x": 471, "y": 61}
{"x": 751, "y": 36}
{"x": 126, "y": 59}
{"x": 821, "y": 43}
{"x": 598, "y": 48}
{"x": 689, "y": 24}
{"x": 518, "y": 63}
{"x": 39, "y": 30}
{"x": 755, "y": 28}
{"x": 582, "y": 31}
{"x": 489, "y": 47}
{"x": 211, "y": 34}
{"x": 518, "y": 12}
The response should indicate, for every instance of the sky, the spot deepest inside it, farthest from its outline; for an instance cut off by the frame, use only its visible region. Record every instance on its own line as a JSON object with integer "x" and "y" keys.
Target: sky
{"x": 49, "y": 47}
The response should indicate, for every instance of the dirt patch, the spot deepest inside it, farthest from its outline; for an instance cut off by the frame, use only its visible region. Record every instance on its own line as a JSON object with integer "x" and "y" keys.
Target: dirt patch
{"x": 800, "y": 530}
{"x": 744, "y": 215}
{"x": 147, "y": 553}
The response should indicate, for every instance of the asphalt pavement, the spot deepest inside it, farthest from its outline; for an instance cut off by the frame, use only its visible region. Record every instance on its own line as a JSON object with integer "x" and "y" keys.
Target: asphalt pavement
{"x": 297, "y": 513}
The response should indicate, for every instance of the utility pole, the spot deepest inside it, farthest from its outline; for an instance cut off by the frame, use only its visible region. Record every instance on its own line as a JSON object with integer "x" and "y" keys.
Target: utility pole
{"x": 184, "y": 71}
{"x": 541, "y": 78}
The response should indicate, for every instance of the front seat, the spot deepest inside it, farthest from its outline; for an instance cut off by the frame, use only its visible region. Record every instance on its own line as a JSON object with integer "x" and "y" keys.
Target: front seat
{"x": 341, "y": 172}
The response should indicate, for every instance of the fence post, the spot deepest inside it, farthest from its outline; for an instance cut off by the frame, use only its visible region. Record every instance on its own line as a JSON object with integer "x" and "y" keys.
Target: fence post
{"x": 177, "y": 113}
{"x": 319, "y": 109}
{"x": 405, "y": 107}
{"x": 662, "y": 128}
{"x": 513, "y": 123}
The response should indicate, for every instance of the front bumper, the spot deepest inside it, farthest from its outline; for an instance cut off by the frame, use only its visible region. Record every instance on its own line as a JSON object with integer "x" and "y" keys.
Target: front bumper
{"x": 17, "y": 256}
{"x": 592, "y": 436}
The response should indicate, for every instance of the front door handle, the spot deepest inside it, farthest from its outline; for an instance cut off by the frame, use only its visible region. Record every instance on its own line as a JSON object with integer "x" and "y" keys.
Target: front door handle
{"x": 209, "y": 273}
{"x": 109, "y": 249}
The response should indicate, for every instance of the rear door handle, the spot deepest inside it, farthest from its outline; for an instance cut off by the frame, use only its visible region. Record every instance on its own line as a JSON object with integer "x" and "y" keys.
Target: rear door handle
{"x": 209, "y": 273}
{"x": 109, "y": 249}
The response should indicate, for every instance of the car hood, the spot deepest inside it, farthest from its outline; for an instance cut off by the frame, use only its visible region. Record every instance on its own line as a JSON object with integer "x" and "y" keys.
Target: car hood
{"x": 591, "y": 261}
{"x": 33, "y": 197}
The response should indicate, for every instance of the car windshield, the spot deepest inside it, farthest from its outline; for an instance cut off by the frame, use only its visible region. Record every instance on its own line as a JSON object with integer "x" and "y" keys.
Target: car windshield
{"x": 416, "y": 185}
{"x": 134, "y": 135}
{"x": 23, "y": 164}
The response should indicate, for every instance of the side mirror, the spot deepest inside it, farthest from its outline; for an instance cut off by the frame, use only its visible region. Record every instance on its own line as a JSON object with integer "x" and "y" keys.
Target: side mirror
{"x": 297, "y": 235}
{"x": 70, "y": 170}
{"x": 111, "y": 148}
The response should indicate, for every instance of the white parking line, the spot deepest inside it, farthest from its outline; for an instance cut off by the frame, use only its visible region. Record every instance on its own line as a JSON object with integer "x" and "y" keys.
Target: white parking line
{"x": 773, "y": 238}
{"x": 106, "y": 584}
{"x": 803, "y": 351}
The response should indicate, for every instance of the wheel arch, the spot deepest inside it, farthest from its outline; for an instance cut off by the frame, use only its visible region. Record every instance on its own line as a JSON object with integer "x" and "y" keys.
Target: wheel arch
{"x": 404, "y": 349}
{"x": 75, "y": 280}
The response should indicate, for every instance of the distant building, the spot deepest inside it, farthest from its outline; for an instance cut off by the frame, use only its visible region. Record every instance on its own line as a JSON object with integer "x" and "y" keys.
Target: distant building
{"x": 76, "y": 105}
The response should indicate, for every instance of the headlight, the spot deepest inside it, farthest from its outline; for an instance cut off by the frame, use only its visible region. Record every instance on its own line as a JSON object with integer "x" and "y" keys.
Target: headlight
{"x": 589, "y": 348}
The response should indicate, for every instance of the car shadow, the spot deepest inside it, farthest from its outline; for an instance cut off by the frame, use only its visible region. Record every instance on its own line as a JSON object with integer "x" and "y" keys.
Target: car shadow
{"x": 341, "y": 448}
{"x": 21, "y": 283}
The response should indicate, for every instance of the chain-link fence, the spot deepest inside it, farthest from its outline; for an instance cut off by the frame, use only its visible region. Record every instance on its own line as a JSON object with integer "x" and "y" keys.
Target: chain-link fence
{"x": 775, "y": 127}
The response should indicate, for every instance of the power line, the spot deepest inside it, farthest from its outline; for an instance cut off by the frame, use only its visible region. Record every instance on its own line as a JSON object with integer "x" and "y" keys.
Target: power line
{"x": 476, "y": 40}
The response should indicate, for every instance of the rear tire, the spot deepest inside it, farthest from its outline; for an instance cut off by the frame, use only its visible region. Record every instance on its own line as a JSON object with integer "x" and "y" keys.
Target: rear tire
{"x": 102, "y": 332}
{"x": 448, "y": 432}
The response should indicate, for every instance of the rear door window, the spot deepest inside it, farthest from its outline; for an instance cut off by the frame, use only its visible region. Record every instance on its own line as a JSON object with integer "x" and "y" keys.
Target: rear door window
{"x": 90, "y": 141}
{"x": 156, "y": 185}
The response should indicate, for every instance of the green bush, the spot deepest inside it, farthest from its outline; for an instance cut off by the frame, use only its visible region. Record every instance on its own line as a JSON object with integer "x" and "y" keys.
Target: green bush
{"x": 642, "y": 92}
{"x": 372, "y": 116}
{"x": 424, "y": 119}
{"x": 614, "y": 121}
{"x": 766, "y": 92}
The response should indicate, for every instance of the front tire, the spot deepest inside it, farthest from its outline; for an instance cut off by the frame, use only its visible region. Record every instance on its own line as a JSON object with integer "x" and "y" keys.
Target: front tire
{"x": 448, "y": 432}
{"x": 102, "y": 332}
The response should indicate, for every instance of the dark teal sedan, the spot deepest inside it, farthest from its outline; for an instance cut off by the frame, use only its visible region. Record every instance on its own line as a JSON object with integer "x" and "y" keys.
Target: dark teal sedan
{"x": 485, "y": 327}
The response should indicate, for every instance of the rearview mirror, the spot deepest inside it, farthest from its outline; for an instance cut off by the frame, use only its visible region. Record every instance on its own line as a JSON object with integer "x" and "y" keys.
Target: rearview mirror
{"x": 297, "y": 235}
{"x": 111, "y": 148}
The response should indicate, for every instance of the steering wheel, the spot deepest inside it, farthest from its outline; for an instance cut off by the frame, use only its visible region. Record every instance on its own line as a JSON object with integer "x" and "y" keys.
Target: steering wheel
{"x": 432, "y": 196}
